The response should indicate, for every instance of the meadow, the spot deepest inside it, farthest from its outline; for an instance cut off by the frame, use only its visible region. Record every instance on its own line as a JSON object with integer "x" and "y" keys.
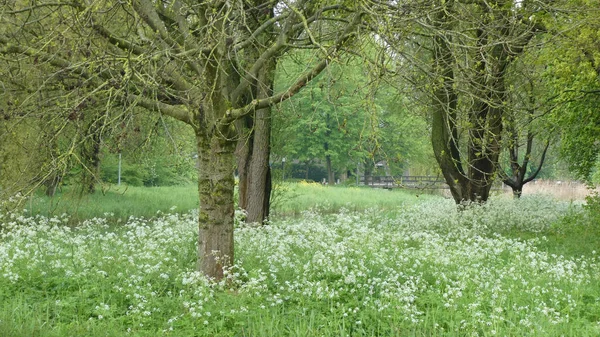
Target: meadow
{"x": 333, "y": 262}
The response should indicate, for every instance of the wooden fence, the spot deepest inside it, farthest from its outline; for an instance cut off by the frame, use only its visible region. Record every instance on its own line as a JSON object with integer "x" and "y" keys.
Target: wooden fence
{"x": 422, "y": 182}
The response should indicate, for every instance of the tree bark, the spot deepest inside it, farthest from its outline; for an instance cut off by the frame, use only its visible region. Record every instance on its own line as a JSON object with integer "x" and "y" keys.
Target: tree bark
{"x": 444, "y": 131}
{"x": 215, "y": 219}
{"x": 258, "y": 194}
{"x": 330, "y": 173}
{"x": 90, "y": 154}
{"x": 243, "y": 156}
{"x": 253, "y": 152}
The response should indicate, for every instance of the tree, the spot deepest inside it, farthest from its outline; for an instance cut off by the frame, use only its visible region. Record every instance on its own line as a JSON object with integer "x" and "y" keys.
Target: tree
{"x": 254, "y": 130}
{"x": 525, "y": 122}
{"x": 469, "y": 47}
{"x": 325, "y": 122}
{"x": 572, "y": 76}
{"x": 64, "y": 124}
{"x": 192, "y": 61}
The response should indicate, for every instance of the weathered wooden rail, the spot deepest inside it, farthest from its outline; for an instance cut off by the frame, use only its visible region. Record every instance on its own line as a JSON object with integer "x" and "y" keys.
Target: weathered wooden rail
{"x": 421, "y": 182}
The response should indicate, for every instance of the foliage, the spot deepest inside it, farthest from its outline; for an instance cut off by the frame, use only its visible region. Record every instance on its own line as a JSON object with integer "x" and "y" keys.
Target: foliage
{"x": 592, "y": 207}
{"x": 325, "y": 121}
{"x": 154, "y": 152}
{"x": 571, "y": 74}
{"x": 428, "y": 270}
{"x": 348, "y": 116}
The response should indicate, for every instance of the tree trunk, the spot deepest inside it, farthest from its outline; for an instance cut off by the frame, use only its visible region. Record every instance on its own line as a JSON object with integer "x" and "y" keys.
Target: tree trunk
{"x": 444, "y": 133}
{"x": 259, "y": 178}
{"x": 518, "y": 179}
{"x": 307, "y": 170}
{"x": 330, "y": 173}
{"x": 52, "y": 184}
{"x": 243, "y": 155}
{"x": 252, "y": 153}
{"x": 215, "y": 219}
{"x": 90, "y": 153}
{"x": 517, "y": 191}
{"x": 368, "y": 171}
{"x": 92, "y": 173}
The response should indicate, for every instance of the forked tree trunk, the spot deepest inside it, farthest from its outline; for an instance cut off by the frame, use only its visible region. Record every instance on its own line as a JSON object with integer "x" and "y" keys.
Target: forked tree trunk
{"x": 215, "y": 219}
{"x": 518, "y": 178}
{"x": 471, "y": 183}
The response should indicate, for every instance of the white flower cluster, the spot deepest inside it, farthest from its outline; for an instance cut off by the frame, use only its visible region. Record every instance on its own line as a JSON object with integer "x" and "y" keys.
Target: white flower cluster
{"x": 405, "y": 270}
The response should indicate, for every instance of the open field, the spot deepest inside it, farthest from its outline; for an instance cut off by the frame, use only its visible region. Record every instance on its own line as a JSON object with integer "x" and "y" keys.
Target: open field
{"x": 114, "y": 202}
{"x": 290, "y": 199}
{"x": 508, "y": 268}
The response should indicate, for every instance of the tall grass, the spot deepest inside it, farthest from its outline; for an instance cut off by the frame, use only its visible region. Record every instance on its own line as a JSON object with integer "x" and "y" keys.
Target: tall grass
{"x": 422, "y": 269}
{"x": 289, "y": 199}
{"x": 115, "y": 202}
{"x": 294, "y": 198}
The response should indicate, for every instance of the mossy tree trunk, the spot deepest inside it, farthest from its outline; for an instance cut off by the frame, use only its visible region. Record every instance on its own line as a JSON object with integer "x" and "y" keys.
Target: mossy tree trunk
{"x": 215, "y": 188}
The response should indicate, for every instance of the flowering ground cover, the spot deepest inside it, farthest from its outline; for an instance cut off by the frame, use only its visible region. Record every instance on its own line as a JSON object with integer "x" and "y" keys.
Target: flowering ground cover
{"x": 423, "y": 270}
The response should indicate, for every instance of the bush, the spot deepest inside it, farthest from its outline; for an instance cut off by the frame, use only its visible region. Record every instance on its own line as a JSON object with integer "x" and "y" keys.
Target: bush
{"x": 315, "y": 172}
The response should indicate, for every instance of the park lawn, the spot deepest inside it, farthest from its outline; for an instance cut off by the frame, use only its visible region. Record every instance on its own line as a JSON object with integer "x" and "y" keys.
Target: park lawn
{"x": 116, "y": 203}
{"x": 508, "y": 268}
{"x": 289, "y": 199}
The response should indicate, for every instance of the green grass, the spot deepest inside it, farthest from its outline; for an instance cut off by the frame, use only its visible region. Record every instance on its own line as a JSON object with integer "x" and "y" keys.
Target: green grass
{"x": 294, "y": 198}
{"x": 574, "y": 235}
{"x": 417, "y": 268}
{"x": 115, "y": 202}
{"x": 290, "y": 199}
